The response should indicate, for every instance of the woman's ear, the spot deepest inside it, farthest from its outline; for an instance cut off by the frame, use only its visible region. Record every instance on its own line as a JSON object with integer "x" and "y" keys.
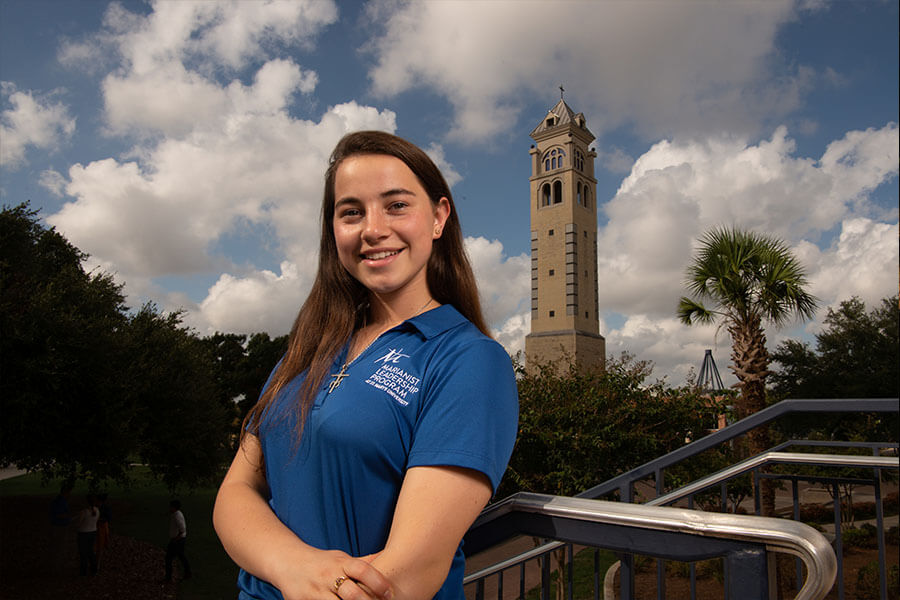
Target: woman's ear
{"x": 441, "y": 214}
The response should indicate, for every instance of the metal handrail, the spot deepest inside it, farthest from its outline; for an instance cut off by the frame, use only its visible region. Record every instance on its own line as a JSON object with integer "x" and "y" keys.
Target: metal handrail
{"x": 785, "y": 407}
{"x": 778, "y": 535}
{"x": 771, "y": 457}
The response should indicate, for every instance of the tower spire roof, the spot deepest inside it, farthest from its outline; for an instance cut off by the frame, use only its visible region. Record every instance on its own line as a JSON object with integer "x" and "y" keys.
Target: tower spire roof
{"x": 561, "y": 115}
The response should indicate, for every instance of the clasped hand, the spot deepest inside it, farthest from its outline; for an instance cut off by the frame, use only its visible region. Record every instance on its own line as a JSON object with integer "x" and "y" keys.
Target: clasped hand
{"x": 321, "y": 579}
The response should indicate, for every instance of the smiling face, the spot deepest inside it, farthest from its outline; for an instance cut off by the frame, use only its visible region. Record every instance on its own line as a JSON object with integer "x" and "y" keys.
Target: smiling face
{"x": 384, "y": 226}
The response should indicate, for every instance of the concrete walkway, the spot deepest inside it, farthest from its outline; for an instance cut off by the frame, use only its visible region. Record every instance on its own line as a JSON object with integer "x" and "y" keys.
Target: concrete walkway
{"x": 9, "y": 472}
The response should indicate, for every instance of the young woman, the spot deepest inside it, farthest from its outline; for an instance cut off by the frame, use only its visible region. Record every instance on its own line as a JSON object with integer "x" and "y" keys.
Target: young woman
{"x": 387, "y": 425}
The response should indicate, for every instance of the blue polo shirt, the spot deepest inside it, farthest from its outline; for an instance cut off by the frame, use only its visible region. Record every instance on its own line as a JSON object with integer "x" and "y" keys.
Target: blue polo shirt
{"x": 432, "y": 391}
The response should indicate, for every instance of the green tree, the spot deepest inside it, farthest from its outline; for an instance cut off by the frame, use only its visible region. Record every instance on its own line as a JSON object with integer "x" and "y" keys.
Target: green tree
{"x": 61, "y": 351}
{"x": 241, "y": 366}
{"x": 86, "y": 388}
{"x": 578, "y": 428}
{"x": 857, "y": 355}
{"x": 742, "y": 279}
{"x": 263, "y": 353}
{"x": 183, "y": 434}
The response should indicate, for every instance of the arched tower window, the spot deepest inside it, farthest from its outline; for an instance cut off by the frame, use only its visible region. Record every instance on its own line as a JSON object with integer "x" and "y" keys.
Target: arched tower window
{"x": 587, "y": 197}
{"x": 545, "y": 194}
{"x": 578, "y": 194}
{"x": 557, "y": 192}
{"x": 579, "y": 160}
{"x": 553, "y": 159}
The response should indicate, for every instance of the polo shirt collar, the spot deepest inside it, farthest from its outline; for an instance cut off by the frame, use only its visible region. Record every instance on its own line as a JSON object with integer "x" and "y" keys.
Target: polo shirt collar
{"x": 436, "y": 321}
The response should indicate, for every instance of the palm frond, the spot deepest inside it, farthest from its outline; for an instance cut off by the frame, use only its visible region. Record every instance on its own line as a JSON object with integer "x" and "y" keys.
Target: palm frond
{"x": 690, "y": 312}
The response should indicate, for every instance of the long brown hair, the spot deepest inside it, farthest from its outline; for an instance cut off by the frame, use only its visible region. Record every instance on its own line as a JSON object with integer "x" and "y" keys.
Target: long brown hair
{"x": 336, "y": 305}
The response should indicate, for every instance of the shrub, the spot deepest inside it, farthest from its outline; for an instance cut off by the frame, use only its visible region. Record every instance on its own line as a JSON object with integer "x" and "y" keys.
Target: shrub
{"x": 860, "y": 538}
{"x": 816, "y": 513}
{"x": 863, "y": 510}
{"x": 868, "y": 586}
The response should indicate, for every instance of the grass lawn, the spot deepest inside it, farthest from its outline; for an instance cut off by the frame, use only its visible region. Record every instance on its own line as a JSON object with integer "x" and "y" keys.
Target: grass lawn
{"x": 141, "y": 511}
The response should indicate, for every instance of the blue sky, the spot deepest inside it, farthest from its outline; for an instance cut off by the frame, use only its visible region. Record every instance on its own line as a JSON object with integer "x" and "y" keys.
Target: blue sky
{"x": 182, "y": 144}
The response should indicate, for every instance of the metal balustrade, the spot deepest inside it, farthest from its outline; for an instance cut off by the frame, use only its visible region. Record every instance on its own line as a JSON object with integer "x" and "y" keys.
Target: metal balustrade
{"x": 665, "y": 532}
{"x": 738, "y": 584}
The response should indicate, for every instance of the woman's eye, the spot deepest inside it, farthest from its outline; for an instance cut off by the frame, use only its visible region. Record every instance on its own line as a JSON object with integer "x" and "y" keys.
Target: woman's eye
{"x": 399, "y": 205}
{"x": 349, "y": 212}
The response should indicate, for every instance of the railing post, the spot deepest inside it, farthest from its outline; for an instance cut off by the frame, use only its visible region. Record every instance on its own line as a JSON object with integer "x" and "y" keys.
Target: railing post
{"x": 879, "y": 524}
{"x": 748, "y": 572}
{"x": 795, "y": 496}
{"x": 660, "y": 564}
{"x": 626, "y": 561}
{"x": 545, "y": 575}
{"x": 757, "y": 503}
{"x": 838, "y": 540}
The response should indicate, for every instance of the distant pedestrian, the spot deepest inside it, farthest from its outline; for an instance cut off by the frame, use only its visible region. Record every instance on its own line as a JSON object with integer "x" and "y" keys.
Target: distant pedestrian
{"x": 177, "y": 538}
{"x": 60, "y": 519}
{"x": 102, "y": 526}
{"x": 87, "y": 537}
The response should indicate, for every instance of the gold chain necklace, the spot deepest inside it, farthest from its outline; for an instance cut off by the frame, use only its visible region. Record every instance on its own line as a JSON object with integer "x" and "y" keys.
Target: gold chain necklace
{"x": 337, "y": 378}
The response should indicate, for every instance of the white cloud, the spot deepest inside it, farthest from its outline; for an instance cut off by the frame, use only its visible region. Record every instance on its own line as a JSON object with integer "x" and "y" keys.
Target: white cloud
{"x": 511, "y": 333}
{"x": 706, "y": 65}
{"x": 33, "y": 120}
{"x": 435, "y": 151}
{"x": 862, "y": 262}
{"x": 262, "y": 301}
{"x": 674, "y": 349}
{"x": 172, "y": 62}
{"x": 678, "y": 190}
{"x": 503, "y": 282}
{"x": 53, "y": 182}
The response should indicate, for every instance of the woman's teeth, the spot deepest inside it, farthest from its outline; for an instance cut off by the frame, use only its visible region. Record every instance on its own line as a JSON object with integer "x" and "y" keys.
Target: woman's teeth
{"x": 380, "y": 255}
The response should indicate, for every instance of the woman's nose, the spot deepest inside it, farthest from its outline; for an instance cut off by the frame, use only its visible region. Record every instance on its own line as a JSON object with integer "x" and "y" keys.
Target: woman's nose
{"x": 375, "y": 226}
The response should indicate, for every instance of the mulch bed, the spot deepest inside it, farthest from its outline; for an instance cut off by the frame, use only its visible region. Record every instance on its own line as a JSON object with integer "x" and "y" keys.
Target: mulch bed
{"x": 30, "y": 569}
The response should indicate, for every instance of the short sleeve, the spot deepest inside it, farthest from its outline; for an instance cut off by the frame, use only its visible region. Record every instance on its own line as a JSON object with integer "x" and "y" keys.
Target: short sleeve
{"x": 470, "y": 411}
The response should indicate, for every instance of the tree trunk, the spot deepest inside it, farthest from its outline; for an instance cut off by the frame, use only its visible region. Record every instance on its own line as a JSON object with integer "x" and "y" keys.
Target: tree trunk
{"x": 750, "y": 364}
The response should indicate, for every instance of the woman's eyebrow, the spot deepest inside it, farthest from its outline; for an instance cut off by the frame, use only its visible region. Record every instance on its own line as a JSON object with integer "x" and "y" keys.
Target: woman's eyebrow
{"x": 397, "y": 192}
{"x": 385, "y": 194}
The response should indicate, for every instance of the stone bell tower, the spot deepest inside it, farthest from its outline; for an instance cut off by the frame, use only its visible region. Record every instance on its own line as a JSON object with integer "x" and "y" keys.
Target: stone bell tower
{"x": 565, "y": 319}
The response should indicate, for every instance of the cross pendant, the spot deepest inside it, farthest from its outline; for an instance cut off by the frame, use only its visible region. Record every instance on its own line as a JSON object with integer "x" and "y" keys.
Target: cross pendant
{"x": 336, "y": 378}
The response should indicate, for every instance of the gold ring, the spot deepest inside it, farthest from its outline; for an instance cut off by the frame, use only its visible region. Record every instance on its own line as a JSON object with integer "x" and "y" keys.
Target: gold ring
{"x": 339, "y": 582}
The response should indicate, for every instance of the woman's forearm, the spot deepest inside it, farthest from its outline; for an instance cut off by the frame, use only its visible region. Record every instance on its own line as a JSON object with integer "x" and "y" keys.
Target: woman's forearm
{"x": 251, "y": 533}
{"x": 435, "y": 508}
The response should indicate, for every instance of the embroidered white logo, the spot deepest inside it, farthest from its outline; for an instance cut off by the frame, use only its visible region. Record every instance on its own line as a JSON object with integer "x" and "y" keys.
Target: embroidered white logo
{"x": 393, "y": 356}
{"x": 394, "y": 380}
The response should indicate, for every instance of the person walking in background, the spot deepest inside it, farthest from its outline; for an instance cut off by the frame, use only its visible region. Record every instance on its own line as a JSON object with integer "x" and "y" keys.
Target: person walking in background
{"x": 177, "y": 538}
{"x": 60, "y": 519}
{"x": 102, "y": 527}
{"x": 87, "y": 537}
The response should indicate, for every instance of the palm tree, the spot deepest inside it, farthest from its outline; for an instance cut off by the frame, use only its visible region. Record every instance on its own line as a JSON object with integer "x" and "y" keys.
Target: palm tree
{"x": 745, "y": 278}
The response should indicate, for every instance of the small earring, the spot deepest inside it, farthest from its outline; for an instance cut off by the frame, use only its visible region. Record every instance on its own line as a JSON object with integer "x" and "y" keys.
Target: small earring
{"x": 437, "y": 231}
